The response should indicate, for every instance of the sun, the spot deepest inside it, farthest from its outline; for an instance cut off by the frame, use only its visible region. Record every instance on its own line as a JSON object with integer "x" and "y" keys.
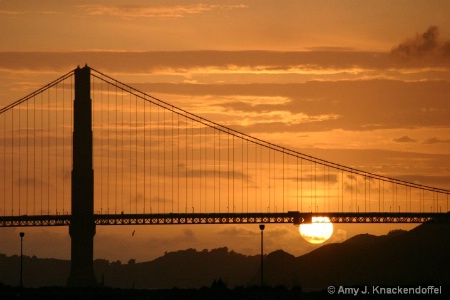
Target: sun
{"x": 318, "y": 231}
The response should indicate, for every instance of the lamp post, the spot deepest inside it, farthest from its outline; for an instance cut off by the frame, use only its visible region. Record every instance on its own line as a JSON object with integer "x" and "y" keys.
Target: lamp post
{"x": 22, "y": 234}
{"x": 262, "y": 226}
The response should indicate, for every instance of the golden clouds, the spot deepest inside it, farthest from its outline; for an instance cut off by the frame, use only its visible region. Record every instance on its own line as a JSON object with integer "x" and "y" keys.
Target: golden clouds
{"x": 160, "y": 11}
{"x": 229, "y": 66}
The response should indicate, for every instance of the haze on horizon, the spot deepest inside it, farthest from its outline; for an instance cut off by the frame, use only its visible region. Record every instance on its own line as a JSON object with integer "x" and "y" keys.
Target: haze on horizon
{"x": 364, "y": 84}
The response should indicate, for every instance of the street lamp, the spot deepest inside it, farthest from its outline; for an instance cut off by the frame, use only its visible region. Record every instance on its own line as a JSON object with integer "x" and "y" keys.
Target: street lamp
{"x": 22, "y": 234}
{"x": 262, "y": 226}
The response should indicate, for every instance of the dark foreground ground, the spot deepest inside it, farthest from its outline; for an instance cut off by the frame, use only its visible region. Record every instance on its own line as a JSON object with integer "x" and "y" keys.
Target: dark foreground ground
{"x": 7, "y": 292}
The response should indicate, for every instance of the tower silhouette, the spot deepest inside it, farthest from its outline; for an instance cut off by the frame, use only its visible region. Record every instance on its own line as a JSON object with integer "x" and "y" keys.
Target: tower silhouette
{"x": 82, "y": 225}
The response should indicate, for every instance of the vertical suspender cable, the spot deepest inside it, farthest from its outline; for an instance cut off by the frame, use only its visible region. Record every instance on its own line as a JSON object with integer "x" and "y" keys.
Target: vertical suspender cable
{"x": 365, "y": 194}
{"x": 351, "y": 190}
{"x": 311, "y": 191}
{"x": 262, "y": 195}
{"x": 192, "y": 165}
{"x": 12, "y": 161}
{"x": 56, "y": 148}
{"x": 122, "y": 170}
{"x": 242, "y": 175}
{"x": 136, "y": 152}
{"x": 72, "y": 97}
{"x": 288, "y": 192}
{"x": 233, "y": 174}
{"x": 315, "y": 186}
{"x": 356, "y": 193}
{"x": 26, "y": 191}
{"x": 220, "y": 163}
{"x": 151, "y": 157}
{"x": 178, "y": 164}
{"x": 63, "y": 148}
{"x": 228, "y": 170}
{"x": 48, "y": 154}
{"x": 283, "y": 178}
{"x": 42, "y": 152}
{"x": 214, "y": 164}
{"x": 379, "y": 195}
{"x": 158, "y": 159}
{"x": 274, "y": 182}
{"x": 173, "y": 145}
{"x": 248, "y": 178}
{"x": 178, "y": 168}
{"x": 145, "y": 155}
{"x": 301, "y": 184}
{"x": 369, "y": 193}
{"x": 325, "y": 187}
{"x": 342, "y": 189}
{"x": 270, "y": 167}
{"x": 201, "y": 169}
{"x": 186, "y": 164}
{"x": 256, "y": 175}
{"x": 100, "y": 136}
{"x": 35, "y": 137}
{"x": 108, "y": 149}
{"x": 116, "y": 121}
{"x": 164, "y": 160}
{"x": 4, "y": 165}
{"x": 19, "y": 156}
{"x": 206, "y": 168}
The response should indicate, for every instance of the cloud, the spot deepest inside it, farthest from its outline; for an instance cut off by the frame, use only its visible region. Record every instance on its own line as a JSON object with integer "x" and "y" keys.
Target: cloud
{"x": 426, "y": 45}
{"x": 440, "y": 181}
{"x": 235, "y": 230}
{"x": 277, "y": 232}
{"x": 237, "y": 62}
{"x": 222, "y": 66}
{"x": 317, "y": 106}
{"x": 338, "y": 236}
{"x": 435, "y": 140}
{"x": 326, "y": 178}
{"x": 404, "y": 139}
{"x": 134, "y": 11}
{"x": 188, "y": 235}
{"x": 266, "y": 107}
{"x": 10, "y": 12}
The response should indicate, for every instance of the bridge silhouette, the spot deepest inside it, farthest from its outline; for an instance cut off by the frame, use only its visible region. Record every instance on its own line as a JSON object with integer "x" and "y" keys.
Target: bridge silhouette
{"x": 87, "y": 136}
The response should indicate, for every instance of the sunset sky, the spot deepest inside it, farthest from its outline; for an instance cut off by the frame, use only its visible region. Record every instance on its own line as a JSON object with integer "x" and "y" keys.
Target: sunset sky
{"x": 362, "y": 83}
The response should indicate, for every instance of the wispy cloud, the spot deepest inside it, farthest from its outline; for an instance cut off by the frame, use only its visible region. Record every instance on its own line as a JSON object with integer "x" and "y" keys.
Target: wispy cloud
{"x": 235, "y": 230}
{"x": 133, "y": 11}
{"x": 10, "y": 12}
{"x": 404, "y": 139}
{"x": 435, "y": 140}
{"x": 319, "y": 65}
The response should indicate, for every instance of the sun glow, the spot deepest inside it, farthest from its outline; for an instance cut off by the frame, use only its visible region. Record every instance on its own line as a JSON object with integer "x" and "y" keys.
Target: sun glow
{"x": 318, "y": 231}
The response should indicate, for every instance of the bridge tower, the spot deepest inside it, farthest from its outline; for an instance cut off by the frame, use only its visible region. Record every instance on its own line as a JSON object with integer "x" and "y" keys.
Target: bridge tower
{"x": 82, "y": 225}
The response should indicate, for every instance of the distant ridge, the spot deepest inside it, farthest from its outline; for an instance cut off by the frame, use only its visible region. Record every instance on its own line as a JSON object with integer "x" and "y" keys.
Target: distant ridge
{"x": 418, "y": 256}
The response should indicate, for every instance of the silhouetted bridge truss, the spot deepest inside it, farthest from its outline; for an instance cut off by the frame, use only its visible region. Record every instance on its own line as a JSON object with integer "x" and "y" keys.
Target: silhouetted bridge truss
{"x": 295, "y": 218}
{"x": 153, "y": 163}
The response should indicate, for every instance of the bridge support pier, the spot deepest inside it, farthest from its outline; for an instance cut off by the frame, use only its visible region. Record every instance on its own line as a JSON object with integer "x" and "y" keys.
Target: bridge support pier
{"x": 82, "y": 225}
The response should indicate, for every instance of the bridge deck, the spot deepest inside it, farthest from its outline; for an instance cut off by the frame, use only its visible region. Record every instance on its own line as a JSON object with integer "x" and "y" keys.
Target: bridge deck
{"x": 292, "y": 217}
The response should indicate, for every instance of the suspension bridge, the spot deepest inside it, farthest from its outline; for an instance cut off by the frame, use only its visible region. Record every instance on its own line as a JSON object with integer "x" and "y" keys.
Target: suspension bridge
{"x": 87, "y": 136}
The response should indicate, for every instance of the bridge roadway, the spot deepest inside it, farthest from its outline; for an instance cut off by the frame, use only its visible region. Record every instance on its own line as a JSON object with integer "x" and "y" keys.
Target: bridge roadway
{"x": 293, "y": 217}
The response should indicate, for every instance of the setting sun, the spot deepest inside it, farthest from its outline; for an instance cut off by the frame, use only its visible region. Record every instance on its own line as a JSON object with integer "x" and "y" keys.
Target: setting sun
{"x": 318, "y": 231}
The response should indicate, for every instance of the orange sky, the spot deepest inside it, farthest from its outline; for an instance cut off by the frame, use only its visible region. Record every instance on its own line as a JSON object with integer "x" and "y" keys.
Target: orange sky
{"x": 364, "y": 84}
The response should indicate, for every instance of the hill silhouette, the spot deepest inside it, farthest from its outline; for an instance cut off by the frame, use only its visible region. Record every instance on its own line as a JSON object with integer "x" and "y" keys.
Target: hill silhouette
{"x": 418, "y": 256}
{"x": 407, "y": 258}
